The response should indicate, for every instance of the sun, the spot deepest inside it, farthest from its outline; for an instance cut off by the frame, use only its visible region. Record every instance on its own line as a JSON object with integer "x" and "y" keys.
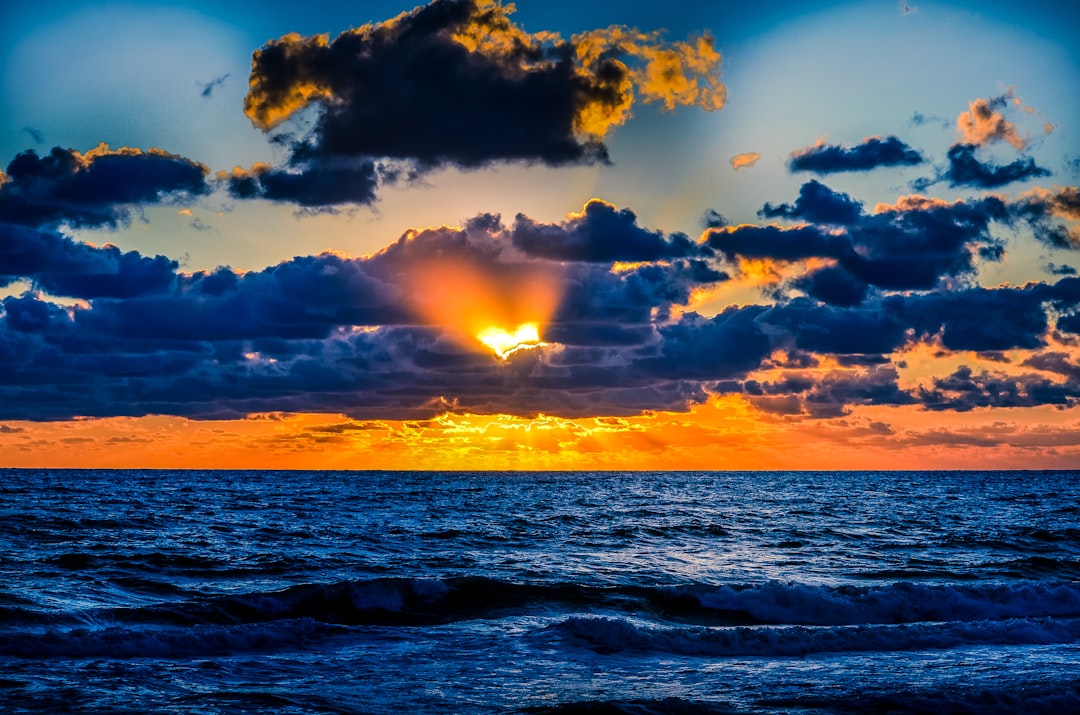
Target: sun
{"x": 505, "y": 343}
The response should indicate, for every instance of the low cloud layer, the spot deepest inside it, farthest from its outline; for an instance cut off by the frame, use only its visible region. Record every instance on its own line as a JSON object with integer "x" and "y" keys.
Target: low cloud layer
{"x": 394, "y": 334}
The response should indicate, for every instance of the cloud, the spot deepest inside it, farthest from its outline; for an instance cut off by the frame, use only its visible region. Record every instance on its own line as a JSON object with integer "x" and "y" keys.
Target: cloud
{"x": 983, "y": 124}
{"x": 908, "y": 246}
{"x": 871, "y": 153}
{"x": 61, "y": 266}
{"x": 1054, "y": 215}
{"x": 329, "y": 333}
{"x": 601, "y": 233}
{"x": 309, "y": 184}
{"x": 1062, "y": 270}
{"x": 94, "y": 189}
{"x": 833, "y": 394}
{"x": 918, "y": 119}
{"x": 965, "y": 390}
{"x": 741, "y": 161}
{"x": 389, "y": 334}
{"x": 817, "y": 203}
{"x": 456, "y": 82}
{"x": 209, "y": 87}
{"x": 966, "y": 170}
{"x": 394, "y": 334}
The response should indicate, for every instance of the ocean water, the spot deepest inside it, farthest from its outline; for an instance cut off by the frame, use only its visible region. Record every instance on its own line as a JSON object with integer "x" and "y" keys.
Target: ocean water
{"x": 658, "y": 592}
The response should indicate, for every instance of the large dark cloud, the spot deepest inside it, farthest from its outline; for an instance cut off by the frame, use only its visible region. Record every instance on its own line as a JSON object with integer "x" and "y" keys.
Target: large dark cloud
{"x": 871, "y": 153}
{"x": 408, "y": 89}
{"x": 93, "y": 189}
{"x": 455, "y": 82}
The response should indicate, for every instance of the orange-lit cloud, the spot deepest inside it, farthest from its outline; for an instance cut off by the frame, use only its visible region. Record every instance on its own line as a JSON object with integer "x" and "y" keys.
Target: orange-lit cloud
{"x": 271, "y": 99}
{"x": 511, "y": 76}
{"x": 675, "y": 74}
{"x": 740, "y": 161}
{"x": 982, "y": 124}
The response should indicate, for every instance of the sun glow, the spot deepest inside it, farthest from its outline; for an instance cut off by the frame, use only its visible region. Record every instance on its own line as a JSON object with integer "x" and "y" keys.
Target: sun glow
{"x": 505, "y": 343}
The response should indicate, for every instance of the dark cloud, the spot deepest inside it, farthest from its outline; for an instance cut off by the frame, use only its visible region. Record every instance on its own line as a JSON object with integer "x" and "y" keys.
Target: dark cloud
{"x": 1052, "y": 214}
{"x": 871, "y": 153}
{"x": 966, "y": 390}
{"x": 355, "y": 334}
{"x": 966, "y": 170}
{"x": 713, "y": 219}
{"x": 64, "y": 267}
{"x": 441, "y": 112}
{"x": 328, "y": 333}
{"x": 831, "y": 395}
{"x": 456, "y": 82}
{"x": 910, "y": 246}
{"x": 977, "y": 319}
{"x": 726, "y": 345}
{"x": 309, "y": 184}
{"x": 817, "y": 203}
{"x": 209, "y": 87}
{"x": 93, "y": 189}
{"x": 833, "y": 285}
{"x": 776, "y": 242}
{"x": 601, "y": 233}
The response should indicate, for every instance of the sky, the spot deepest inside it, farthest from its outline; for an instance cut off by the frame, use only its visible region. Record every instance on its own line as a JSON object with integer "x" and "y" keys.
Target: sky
{"x": 549, "y": 235}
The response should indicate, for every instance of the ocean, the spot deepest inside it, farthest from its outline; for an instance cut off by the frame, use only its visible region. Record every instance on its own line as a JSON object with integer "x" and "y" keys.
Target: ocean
{"x": 138, "y": 591}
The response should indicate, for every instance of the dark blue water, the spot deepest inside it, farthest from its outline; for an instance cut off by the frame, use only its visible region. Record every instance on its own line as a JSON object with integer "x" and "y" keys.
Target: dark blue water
{"x": 334, "y": 592}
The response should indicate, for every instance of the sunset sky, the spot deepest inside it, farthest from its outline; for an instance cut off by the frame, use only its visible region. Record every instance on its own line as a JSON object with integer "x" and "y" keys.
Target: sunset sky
{"x": 556, "y": 235}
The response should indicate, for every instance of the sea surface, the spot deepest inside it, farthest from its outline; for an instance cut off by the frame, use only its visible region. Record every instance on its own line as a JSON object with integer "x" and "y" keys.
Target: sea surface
{"x": 591, "y": 592}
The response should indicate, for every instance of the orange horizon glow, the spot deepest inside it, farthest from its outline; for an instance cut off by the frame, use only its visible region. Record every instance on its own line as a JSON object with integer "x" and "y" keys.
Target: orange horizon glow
{"x": 726, "y": 433}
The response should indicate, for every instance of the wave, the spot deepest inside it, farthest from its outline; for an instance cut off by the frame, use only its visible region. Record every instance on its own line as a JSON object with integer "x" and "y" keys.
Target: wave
{"x": 404, "y": 602}
{"x": 608, "y": 635}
